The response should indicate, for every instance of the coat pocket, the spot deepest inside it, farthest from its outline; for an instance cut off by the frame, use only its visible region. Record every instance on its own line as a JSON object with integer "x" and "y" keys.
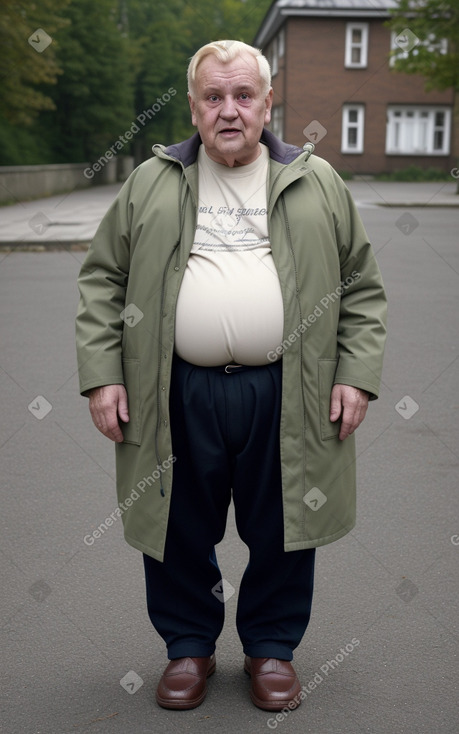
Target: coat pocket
{"x": 327, "y": 370}
{"x": 131, "y": 371}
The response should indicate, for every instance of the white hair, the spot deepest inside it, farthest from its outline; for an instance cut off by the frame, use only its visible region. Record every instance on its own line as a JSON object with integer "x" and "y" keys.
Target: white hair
{"x": 227, "y": 51}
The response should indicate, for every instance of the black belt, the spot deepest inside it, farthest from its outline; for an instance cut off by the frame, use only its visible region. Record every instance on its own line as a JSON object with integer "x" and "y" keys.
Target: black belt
{"x": 229, "y": 368}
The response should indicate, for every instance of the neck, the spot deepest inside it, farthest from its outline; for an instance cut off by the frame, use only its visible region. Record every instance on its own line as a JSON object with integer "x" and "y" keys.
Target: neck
{"x": 232, "y": 161}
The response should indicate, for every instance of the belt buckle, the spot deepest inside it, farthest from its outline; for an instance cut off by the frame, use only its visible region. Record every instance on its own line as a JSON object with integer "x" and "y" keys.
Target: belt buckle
{"x": 230, "y": 367}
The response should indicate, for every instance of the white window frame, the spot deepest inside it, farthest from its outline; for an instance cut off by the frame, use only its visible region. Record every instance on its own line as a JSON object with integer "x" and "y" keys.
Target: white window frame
{"x": 281, "y": 43}
{"x": 277, "y": 121}
{"x": 350, "y": 45}
{"x": 411, "y": 130}
{"x": 431, "y": 43}
{"x": 358, "y": 125}
{"x": 274, "y": 57}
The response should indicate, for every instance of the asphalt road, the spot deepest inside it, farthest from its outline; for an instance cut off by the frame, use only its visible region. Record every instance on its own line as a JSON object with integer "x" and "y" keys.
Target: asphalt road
{"x": 73, "y": 616}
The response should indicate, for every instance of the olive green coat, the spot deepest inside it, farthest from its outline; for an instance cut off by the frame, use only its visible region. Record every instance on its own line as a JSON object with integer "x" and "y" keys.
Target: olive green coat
{"x": 334, "y": 331}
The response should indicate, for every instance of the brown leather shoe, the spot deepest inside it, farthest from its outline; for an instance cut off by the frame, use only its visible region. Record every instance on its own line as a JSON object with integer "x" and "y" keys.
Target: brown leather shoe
{"x": 183, "y": 684}
{"x": 275, "y": 684}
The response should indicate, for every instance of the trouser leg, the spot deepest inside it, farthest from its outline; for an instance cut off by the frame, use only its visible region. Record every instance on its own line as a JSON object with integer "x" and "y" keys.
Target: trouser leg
{"x": 225, "y": 433}
{"x": 275, "y": 595}
{"x": 181, "y": 604}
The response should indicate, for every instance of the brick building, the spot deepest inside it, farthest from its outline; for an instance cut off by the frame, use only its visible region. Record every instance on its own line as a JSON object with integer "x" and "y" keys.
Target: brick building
{"x": 333, "y": 84}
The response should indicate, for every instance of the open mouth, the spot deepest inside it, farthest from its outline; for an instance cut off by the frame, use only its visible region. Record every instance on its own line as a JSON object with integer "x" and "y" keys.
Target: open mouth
{"x": 229, "y": 131}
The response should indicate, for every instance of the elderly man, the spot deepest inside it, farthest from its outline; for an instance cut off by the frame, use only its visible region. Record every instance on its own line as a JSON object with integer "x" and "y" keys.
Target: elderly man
{"x": 230, "y": 334}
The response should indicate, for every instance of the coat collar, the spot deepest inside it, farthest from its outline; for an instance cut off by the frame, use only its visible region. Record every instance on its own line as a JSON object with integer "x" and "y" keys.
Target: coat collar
{"x": 186, "y": 152}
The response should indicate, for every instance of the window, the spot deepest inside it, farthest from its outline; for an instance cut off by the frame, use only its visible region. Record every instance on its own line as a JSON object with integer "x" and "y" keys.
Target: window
{"x": 418, "y": 130}
{"x": 272, "y": 55}
{"x": 276, "y": 51}
{"x": 356, "y": 55}
{"x": 281, "y": 43}
{"x": 352, "y": 128}
{"x": 277, "y": 121}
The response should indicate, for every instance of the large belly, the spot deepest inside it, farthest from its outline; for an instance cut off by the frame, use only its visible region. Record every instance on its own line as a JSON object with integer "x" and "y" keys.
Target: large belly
{"x": 229, "y": 309}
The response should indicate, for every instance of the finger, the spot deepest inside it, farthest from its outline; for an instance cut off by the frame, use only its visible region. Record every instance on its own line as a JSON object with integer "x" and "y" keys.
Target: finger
{"x": 335, "y": 405}
{"x": 114, "y": 431}
{"x": 106, "y": 421}
{"x": 349, "y": 421}
{"x": 123, "y": 407}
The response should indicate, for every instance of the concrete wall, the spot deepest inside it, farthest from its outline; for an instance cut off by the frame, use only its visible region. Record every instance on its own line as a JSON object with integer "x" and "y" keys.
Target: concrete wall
{"x": 19, "y": 183}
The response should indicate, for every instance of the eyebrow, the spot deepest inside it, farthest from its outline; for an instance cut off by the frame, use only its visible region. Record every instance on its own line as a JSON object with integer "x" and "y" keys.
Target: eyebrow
{"x": 212, "y": 89}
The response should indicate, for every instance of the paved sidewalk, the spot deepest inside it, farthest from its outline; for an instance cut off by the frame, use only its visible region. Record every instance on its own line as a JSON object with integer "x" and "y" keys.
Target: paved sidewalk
{"x": 71, "y": 219}
{"x": 56, "y": 221}
{"x": 74, "y": 632}
{"x": 387, "y": 193}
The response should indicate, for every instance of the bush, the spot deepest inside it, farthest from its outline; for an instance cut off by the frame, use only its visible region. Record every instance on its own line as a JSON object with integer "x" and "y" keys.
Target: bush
{"x": 346, "y": 175}
{"x": 21, "y": 146}
{"x": 415, "y": 173}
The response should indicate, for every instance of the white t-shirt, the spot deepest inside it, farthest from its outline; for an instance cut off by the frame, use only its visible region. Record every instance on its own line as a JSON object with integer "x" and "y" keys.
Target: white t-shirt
{"x": 229, "y": 307}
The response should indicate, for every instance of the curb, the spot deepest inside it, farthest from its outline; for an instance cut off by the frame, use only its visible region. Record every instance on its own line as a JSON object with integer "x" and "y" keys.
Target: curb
{"x": 47, "y": 246}
{"x": 414, "y": 205}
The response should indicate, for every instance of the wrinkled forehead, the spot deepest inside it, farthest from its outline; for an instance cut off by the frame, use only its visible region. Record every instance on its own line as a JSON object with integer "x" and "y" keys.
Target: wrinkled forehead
{"x": 241, "y": 72}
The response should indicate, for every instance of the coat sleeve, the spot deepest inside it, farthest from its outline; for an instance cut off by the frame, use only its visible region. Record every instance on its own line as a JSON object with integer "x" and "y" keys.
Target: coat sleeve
{"x": 102, "y": 285}
{"x": 362, "y": 318}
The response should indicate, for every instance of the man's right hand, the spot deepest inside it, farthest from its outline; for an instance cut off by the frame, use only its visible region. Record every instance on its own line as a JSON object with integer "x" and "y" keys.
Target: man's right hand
{"x": 108, "y": 404}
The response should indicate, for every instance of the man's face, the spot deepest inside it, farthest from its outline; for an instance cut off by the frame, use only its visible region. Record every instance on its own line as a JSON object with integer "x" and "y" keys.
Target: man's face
{"x": 229, "y": 109}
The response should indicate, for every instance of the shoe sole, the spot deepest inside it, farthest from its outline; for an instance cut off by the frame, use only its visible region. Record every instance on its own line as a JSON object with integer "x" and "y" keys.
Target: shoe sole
{"x": 269, "y": 705}
{"x": 173, "y": 704}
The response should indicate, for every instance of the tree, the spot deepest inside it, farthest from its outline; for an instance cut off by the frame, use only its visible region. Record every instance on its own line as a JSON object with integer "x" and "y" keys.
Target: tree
{"x": 109, "y": 63}
{"x": 430, "y": 40}
{"x": 163, "y": 36}
{"x": 28, "y": 57}
{"x": 93, "y": 96}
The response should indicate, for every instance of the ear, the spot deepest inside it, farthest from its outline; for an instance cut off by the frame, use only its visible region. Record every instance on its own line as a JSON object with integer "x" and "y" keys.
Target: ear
{"x": 268, "y": 104}
{"x": 192, "y": 104}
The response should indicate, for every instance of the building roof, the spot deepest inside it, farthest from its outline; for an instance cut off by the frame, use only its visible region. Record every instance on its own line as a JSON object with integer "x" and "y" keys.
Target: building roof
{"x": 281, "y": 9}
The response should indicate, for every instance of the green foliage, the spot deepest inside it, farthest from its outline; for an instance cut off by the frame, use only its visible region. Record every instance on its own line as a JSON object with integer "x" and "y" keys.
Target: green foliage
{"x": 431, "y": 21}
{"x": 21, "y": 145}
{"x": 24, "y": 69}
{"x": 93, "y": 97}
{"x": 109, "y": 61}
{"x": 164, "y": 36}
{"x": 346, "y": 175}
{"x": 416, "y": 174}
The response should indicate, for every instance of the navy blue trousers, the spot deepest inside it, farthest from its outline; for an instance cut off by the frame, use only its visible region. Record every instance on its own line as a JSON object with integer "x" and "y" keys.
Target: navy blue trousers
{"x": 225, "y": 437}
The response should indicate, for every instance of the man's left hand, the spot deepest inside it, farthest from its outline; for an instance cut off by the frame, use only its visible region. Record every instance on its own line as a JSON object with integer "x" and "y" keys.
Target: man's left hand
{"x": 349, "y": 403}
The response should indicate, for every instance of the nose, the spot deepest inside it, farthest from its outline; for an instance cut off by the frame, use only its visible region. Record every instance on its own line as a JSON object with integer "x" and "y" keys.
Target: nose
{"x": 229, "y": 108}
